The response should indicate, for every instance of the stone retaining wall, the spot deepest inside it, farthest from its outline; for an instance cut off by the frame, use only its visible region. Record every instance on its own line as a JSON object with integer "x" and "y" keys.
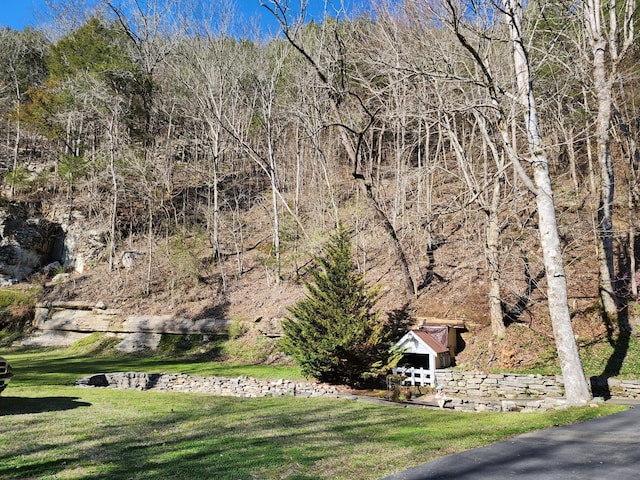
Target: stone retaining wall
{"x": 464, "y": 391}
{"x": 237, "y": 387}
{"x": 624, "y": 388}
{"x": 502, "y": 385}
{"x": 252, "y": 388}
{"x": 498, "y": 405}
{"x": 518, "y": 386}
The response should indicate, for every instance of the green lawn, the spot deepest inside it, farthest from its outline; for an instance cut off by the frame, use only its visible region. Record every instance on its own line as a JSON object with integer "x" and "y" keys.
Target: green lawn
{"x": 50, "y": 429}
{"x": 64, "y": 367}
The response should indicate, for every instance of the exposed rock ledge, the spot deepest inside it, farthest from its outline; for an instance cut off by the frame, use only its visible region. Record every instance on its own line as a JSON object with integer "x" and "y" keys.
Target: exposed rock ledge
{"x": 60, "y": 324}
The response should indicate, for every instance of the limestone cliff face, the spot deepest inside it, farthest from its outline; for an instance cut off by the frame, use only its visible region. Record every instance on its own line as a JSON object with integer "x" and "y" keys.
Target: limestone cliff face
{"x": 59, "y": 324}
{"x": 28, "y": 242}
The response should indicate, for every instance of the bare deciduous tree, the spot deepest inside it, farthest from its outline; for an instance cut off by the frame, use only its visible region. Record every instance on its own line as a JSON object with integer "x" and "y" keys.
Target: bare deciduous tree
{"x": 610, "y": 28}
{"x": 576, "y": 388}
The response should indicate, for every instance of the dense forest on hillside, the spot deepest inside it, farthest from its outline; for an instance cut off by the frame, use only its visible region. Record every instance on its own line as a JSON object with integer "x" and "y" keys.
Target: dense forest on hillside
{"x": 222, "y": 161}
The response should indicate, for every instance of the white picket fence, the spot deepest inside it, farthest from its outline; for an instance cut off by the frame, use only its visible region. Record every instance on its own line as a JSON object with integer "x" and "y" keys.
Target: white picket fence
{"x": 416, "y": 376}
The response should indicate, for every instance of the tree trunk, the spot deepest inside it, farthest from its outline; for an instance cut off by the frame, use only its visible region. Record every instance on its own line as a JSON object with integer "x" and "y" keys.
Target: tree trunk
{"x": 496, "y": 311}
{"x": 113, "y": 217}
{"x": 607, "y": 184}
{"x": 576, "y": 388}
{"x": 274, "y": 205}
{"x": 609, "y": 39}
{"x": 633, "y": 283}
{"x": 213, "y": 193}
{"x": 569, "y": 136}
{"x": 493, "y": 256}
{"x": 489, "y": 209}
{"x": 147, "y": 288}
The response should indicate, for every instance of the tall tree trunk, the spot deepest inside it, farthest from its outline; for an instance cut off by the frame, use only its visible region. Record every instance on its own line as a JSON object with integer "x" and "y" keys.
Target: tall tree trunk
{"x": 274, "y": 202}
{"x": 569, "y": 136}
{"x": 489, "y": 207}
{"x": 493, "y": 256}
{"x": 147, "y": 288}
{"x": 213, "y": 194}
{"x": 593, "y": 188}
{"x": 576, "y": 388}
{"x": 113, "y": 214}
{"x": 607, "y": 183}
{"x": 633, "y": 283}
{"x": 16, "y": 153}
{"x": 609, "y": 39}
{"x": 496, "y": 311}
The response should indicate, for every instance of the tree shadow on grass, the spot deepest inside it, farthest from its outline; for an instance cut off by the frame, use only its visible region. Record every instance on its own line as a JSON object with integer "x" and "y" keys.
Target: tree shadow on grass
{"x": 224, "y": 438}
{"x": 20, "y": 405}
{"x": 618, "y": 334}
{"x": 618, "y": 339}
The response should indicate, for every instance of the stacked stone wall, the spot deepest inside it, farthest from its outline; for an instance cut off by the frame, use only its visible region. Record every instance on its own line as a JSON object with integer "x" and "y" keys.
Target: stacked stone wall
{"x": 500, "y": 385}
{"x": 237, "y": 387}
{"x": 464, "y": 391}
{"x": 471, "y": 384}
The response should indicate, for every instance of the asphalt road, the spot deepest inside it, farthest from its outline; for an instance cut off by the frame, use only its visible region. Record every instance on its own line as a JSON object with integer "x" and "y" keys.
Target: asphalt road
{"x": 604, "y": 448}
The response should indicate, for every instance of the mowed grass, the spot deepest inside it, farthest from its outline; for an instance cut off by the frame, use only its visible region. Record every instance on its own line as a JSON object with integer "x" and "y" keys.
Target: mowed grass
{"x": 50, "y": 429}
{"x": 64, "y": 367}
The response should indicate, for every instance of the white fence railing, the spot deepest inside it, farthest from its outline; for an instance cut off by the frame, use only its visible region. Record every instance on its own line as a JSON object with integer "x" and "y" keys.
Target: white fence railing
{"x": 416, "y": 376}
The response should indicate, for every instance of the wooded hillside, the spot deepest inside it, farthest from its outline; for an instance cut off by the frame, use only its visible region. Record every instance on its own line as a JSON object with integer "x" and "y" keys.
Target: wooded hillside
{"x": 204, "y": 166}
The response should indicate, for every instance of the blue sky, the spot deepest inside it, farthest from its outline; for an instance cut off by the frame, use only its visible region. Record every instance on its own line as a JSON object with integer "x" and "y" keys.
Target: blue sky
{"x": 20, "y": 13}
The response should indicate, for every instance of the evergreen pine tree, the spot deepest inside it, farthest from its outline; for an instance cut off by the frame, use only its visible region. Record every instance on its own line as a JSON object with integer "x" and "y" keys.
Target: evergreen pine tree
{"x": 334, "y": 333}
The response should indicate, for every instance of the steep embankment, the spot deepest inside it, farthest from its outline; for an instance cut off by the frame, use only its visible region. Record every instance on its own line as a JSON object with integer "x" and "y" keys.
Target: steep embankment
{"x": 183, "y": 278}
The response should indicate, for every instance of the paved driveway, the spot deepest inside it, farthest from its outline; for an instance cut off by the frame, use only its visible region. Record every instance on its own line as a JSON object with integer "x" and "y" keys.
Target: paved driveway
{"x": 604, "y": 448}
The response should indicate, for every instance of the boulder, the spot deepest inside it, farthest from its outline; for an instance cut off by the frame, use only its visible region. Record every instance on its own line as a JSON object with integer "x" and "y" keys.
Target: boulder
{"x": 97, "y": 380}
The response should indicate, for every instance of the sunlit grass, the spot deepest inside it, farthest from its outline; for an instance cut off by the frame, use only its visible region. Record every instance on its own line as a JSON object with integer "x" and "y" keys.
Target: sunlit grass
{"x": 50, "y": 429}
{"x": 69, "y": 432}
{"x": 619, "y": 358}
{"x": 64, "y": 367}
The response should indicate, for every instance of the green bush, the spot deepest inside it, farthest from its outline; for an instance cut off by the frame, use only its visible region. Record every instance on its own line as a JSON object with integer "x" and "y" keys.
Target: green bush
{"x": 238, "y": 328}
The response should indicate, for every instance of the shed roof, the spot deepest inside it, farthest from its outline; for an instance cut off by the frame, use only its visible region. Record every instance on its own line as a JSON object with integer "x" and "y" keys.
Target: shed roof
{"x": 431, "y": 341}
{"x": 426, "y": 339}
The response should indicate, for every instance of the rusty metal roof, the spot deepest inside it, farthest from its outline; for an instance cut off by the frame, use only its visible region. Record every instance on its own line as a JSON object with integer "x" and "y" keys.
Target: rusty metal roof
{"x": 430, "y": 340}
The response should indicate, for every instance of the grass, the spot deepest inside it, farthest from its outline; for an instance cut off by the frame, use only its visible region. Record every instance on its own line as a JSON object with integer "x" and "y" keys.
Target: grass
{"x": 620, "y": 358}
{"x": 52, "y": 430}
{"x": 40, "y": 367}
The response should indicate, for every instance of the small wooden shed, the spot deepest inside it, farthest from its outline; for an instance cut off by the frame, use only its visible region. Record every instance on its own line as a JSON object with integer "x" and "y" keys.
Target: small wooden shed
{"x": 423, "y": 353}
{"x": 446, "y": 330}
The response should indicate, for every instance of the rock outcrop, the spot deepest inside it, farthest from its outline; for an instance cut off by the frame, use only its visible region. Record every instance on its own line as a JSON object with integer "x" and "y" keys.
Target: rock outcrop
{"x": 64, "y": 323}
{"x": 28, "y": 242}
